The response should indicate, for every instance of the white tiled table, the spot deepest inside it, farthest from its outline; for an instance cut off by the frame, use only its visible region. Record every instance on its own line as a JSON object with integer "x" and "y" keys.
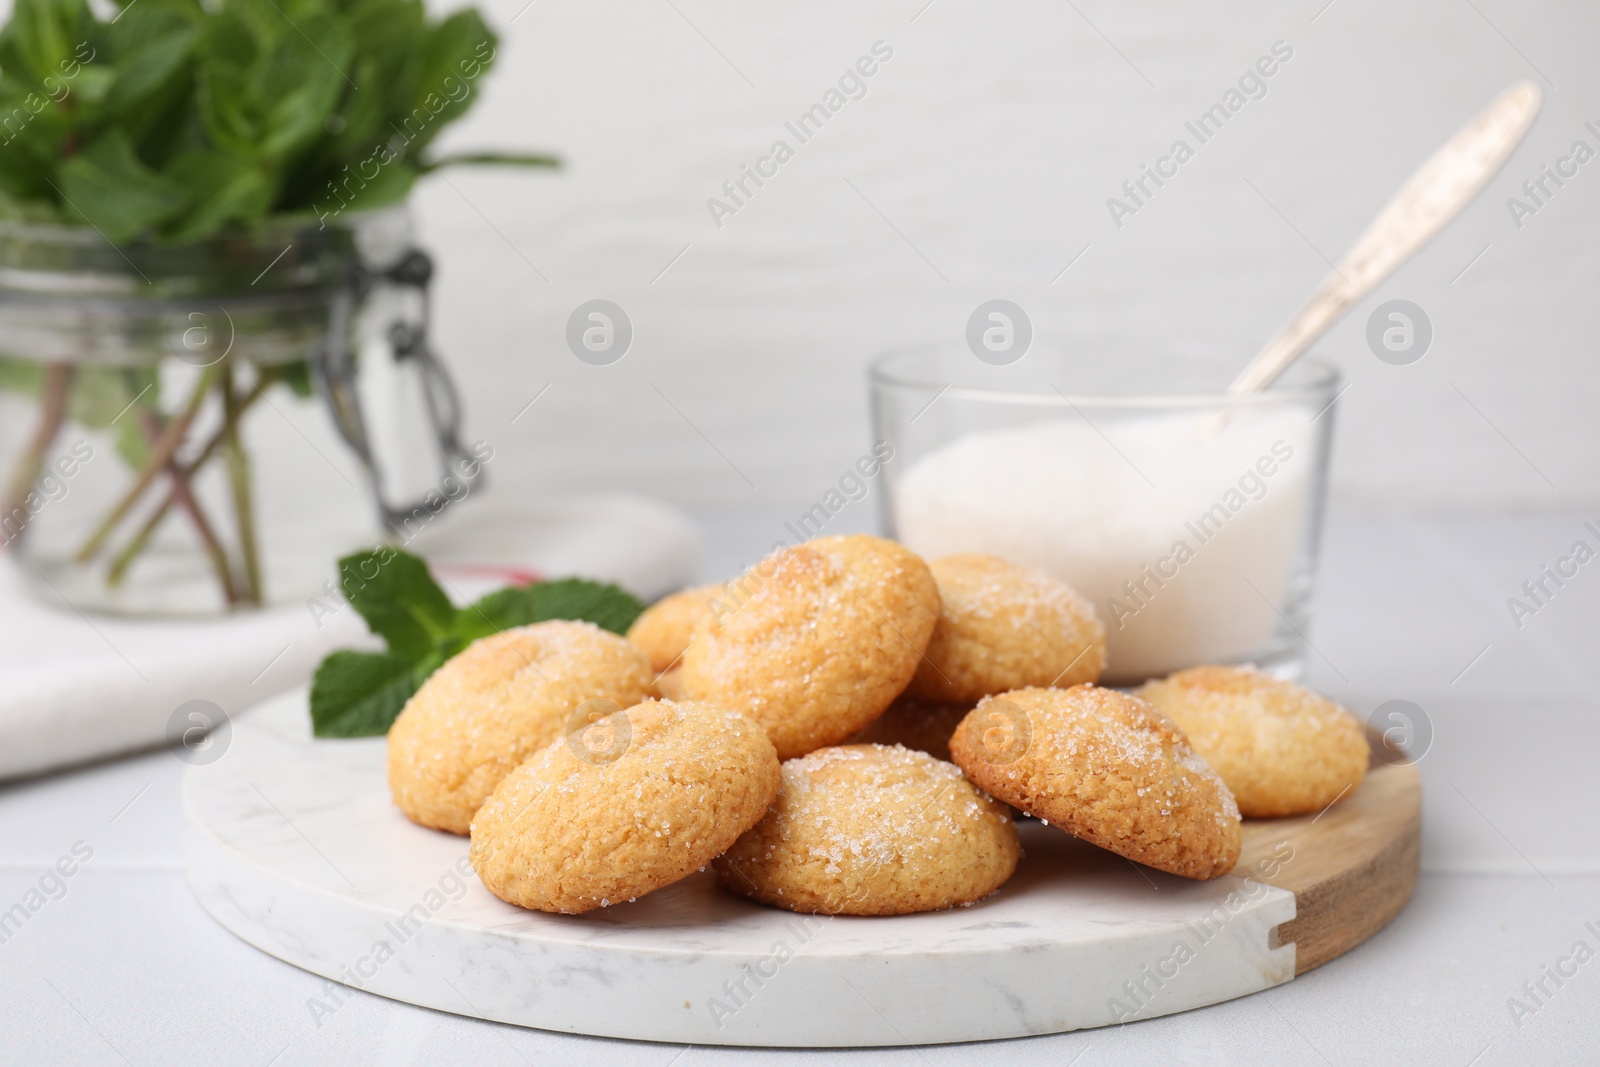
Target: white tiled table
{"x": 125, "y": 966}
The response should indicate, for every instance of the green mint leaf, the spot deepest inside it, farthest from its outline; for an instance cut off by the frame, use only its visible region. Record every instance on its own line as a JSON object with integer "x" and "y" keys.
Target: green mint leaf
{"x": 92, "y": 85}
{"x": 18, "y": 173}
{"x": 228, "y": 108}
{"x": 223, "y": 188}
{"x": 608, "y": 606}
{"x": 504, "y": 159}
{"x": 114, "y": 192}
{"x": 297, "y": 376}
{"x": 179, "y": 119}
{"x": 392, "y": 182}
{"x": 149, "y": 66}
{"x": 391, "y": 35}
{"x": 301, "y": 85}
{"x": 40, "y": 36}
{"x": 455, "y": 54}
{"x": 20, "y": 376}
{"x": 397, "y": 596}
{"x": 358, "y": 694}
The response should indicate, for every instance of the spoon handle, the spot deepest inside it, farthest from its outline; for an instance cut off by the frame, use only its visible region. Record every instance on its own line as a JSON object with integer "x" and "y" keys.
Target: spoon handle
{"x": 1429, "y": 199}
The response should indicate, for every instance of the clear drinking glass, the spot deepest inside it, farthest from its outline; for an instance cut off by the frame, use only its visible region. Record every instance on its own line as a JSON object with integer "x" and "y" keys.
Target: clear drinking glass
{"x": 1188, "y": 517}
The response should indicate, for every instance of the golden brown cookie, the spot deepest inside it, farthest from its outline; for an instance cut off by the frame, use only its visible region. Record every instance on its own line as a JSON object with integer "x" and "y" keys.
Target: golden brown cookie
{"x": 873, "y": 830}
{"x": 916, "y": 724}
{"x": 501, "y": 699}
{"x": 814, "y": 642}
{"x": 662, "y": 631}
{"x": 1281, "y": 748}
{"x": 634, "y": 802}
{"x": 669, "y": 686}
{"x": 1004, "y": 627}
{"x": 1105, "y": 767}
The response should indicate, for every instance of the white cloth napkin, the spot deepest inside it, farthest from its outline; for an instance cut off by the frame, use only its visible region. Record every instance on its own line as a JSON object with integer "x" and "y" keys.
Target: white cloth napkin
{"x": 76, "y": 687}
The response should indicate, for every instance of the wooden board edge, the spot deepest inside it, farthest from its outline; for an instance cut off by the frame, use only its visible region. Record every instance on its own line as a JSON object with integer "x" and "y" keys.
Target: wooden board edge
{"x": 1352, "y": 868}
{"x": 1341, "y": 913}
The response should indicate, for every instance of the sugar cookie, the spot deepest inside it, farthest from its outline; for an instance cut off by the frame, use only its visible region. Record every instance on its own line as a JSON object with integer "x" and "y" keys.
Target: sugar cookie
{"x": 814, "y": 642}
{"x": 916, "y": 724}
{"x": 1004, "y": 627}
{"x": 662, "y": 631}
{"x": 501, "y": 699}
{"x": 1107, "y": 768}
{"x": 633, "y": 802}
{"x": 1281, "y": 748}
{"x": 873, "y": 830}
{"x": 669, "y": 686}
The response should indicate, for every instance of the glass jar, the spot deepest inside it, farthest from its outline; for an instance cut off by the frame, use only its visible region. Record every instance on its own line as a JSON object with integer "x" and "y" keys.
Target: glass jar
{"x": 1187, "y": 516}
{"x": 166, "y": 442}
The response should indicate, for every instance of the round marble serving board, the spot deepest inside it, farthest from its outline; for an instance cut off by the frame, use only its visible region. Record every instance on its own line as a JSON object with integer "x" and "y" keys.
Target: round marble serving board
{"x": 293, "y": 845}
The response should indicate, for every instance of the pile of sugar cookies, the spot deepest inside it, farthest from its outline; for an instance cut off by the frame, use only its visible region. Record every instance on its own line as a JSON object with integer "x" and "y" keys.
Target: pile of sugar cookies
{"x": 846, "y": 729}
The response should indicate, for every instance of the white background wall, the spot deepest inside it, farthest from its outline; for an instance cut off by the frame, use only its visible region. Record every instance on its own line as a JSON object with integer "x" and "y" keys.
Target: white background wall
{"x": 991, "y": 141}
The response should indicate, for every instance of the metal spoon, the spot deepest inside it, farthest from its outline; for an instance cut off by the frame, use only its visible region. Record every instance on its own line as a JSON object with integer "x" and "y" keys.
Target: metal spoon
{"x": 1428, "y": 200}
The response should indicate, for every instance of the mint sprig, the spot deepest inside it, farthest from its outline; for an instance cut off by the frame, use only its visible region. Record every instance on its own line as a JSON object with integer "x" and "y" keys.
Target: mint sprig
{"x": 358, "y": 694}
{"x": 180, "y": 119}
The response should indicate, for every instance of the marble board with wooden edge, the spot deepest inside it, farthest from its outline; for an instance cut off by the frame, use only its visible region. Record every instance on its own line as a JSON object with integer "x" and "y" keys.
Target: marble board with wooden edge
{"x": 292, "y": 844}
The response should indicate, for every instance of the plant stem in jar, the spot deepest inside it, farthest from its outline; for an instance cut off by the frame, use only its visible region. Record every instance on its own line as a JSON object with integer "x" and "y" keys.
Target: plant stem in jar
{"x": 141, "y": 540}
{"x": 161, "y": 450}
{"x": 150, "y": 424}
{"x": 52, "y": 413}
{"x": 239, "y": 479}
